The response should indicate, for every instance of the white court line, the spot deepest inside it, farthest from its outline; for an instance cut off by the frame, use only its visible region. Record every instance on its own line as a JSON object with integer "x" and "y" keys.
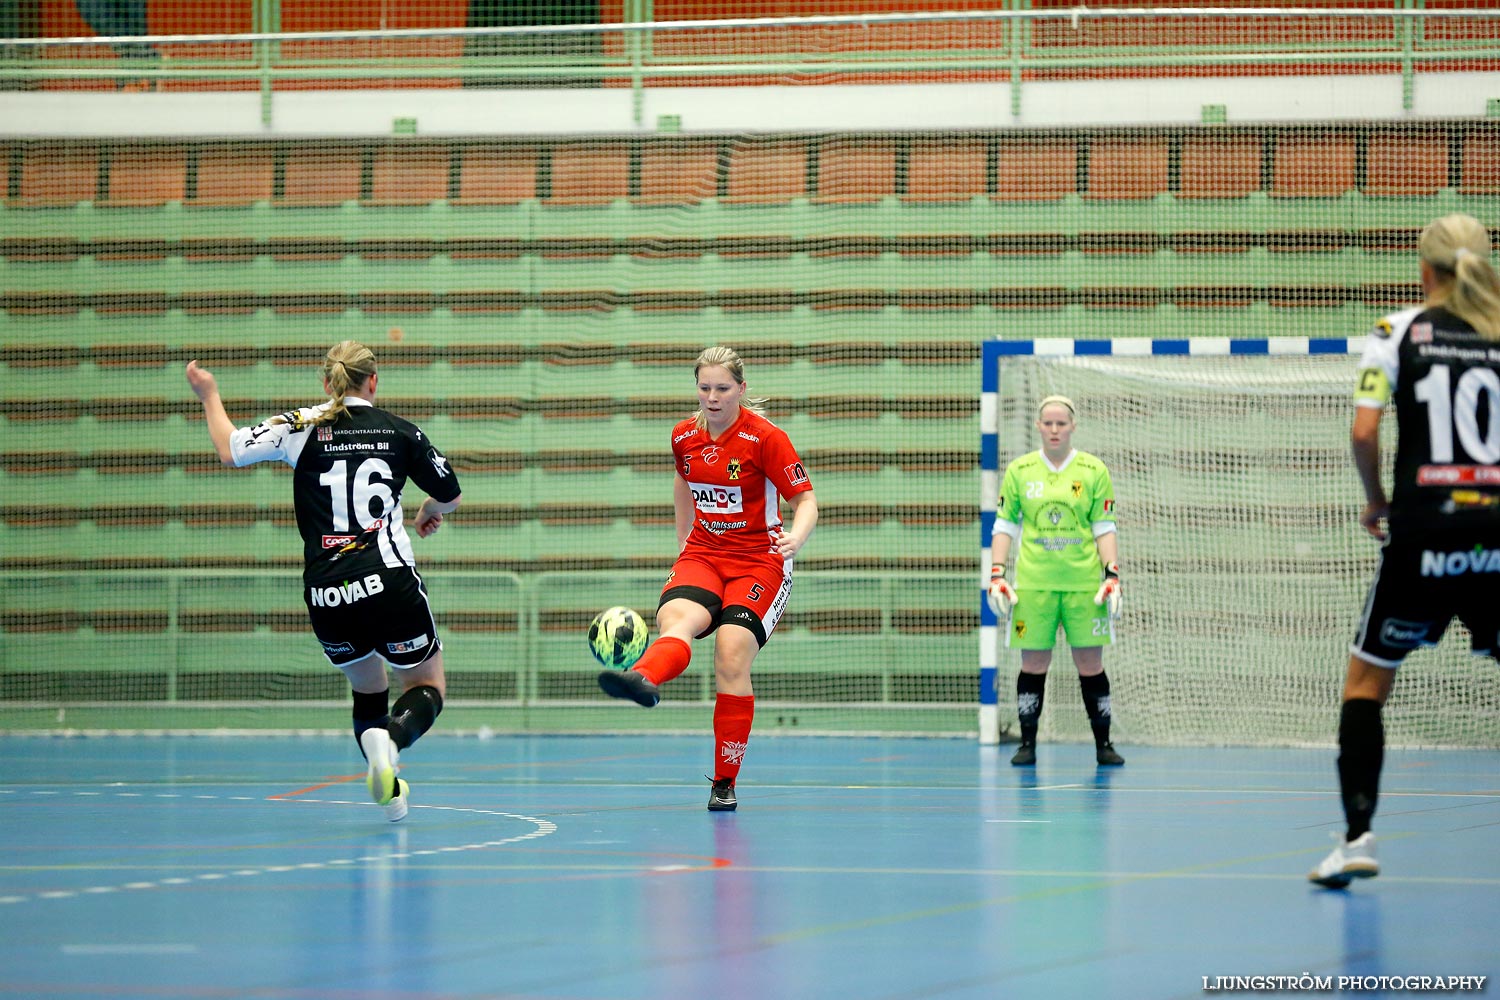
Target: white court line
{"x": 543, "y": 828}
{"x": 1018, "y": 821}
{"x": 129, "y": 949}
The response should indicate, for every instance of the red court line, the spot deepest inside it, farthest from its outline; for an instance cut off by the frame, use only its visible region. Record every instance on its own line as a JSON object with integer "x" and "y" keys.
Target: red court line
{"x": 335, "y": 780}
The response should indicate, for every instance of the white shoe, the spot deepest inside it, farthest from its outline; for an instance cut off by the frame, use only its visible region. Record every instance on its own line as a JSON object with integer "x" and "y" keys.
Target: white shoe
{"x": 381, "y": 753}
{"x": 395, "y": 810}
{"x": 1348, "y": 861}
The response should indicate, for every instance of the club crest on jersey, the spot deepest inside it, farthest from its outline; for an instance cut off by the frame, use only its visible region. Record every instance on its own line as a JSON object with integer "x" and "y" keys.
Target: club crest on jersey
{"x": 733, "y": 468}
{"x": 1077, "y": 489}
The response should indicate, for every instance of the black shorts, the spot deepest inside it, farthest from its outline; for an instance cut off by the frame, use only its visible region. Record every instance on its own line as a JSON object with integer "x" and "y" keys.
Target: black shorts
{"x": 381, "y": 612}
{"x": 1422, "y": 583}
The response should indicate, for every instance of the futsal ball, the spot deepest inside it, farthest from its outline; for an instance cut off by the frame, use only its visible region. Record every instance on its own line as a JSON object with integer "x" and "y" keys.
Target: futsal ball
{"x": 617, "y": 637}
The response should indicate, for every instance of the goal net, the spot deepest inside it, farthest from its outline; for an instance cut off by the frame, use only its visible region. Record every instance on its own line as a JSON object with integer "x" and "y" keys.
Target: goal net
{"x": 1243, "y": 564}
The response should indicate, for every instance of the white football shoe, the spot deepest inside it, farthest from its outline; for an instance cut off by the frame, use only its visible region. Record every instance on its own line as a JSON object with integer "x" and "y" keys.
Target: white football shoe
{"x": 395, "y": 810}
{"x": 1348, "y": 861}
{"x": 381, "y": 754}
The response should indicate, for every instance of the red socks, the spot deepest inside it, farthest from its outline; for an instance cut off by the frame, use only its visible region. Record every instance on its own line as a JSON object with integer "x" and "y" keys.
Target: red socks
{"x": 665, "y": 659}
{"x": 733, "y": 714}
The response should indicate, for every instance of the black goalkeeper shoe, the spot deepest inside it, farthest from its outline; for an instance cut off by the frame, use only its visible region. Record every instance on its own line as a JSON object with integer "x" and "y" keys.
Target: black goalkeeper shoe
{"x": 721, "y": 797}
{"x": 1106, "y": 756}
{"x": 630, "y": 684}
{"x": 1025, "y": 754}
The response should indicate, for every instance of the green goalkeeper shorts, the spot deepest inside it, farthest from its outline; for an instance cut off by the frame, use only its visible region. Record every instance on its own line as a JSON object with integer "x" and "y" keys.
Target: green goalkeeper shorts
{"x": 1039, "y": 613}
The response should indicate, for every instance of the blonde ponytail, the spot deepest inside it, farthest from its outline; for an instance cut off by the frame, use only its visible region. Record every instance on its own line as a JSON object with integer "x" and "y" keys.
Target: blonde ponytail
{"x": 346, "y": 368}
{"x": 1457, "y": 248}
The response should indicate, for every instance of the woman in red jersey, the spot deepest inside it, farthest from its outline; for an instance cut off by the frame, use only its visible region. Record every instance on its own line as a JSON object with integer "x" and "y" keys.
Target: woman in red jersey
{"x": 733, "y": 572}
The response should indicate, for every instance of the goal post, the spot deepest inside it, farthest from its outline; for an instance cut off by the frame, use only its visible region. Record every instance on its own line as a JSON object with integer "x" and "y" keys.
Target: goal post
{"x": 1244, "y": 565}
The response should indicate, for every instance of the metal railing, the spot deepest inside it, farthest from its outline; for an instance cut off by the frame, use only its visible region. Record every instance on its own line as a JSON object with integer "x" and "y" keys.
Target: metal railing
{"x": 1004, "y": 44}
{"x": 170, "y": 623}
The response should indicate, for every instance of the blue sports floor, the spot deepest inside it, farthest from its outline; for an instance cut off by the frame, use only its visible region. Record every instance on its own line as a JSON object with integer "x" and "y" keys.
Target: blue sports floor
{"x": 587, "y": 868}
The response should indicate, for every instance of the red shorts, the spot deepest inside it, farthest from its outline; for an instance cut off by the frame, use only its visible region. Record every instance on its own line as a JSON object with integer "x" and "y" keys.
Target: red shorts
{"x": 749, "y": 591}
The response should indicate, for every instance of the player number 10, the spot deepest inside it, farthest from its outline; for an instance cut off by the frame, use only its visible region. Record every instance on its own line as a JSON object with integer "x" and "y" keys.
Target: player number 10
{"x": 1459, "y": 411}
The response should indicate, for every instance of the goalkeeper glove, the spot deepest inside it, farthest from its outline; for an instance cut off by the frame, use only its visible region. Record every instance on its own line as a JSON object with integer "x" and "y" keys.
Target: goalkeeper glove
{"x": 1109, "y": 590}
{"x": 1002, "y": 596}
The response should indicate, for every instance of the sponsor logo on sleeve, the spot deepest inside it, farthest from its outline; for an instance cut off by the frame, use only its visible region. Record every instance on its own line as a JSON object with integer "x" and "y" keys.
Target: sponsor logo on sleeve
{"x": 439, "y": 463}
{"x": 796, "y": 475}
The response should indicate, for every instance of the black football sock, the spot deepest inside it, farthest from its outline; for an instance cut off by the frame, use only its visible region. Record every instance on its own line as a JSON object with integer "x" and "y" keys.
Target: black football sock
{"x": 1096, "y": 703}
{"x": 1030, "y": 690}
{"x": 414, "y": 714}
{"x": 1361, "y": 755}
{"x": 371, "y": 711}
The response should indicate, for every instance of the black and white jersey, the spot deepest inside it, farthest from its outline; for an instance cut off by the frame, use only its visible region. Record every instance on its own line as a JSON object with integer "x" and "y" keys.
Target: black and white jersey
{"x": 347, "y": 483}
{"x": 1444, "y": 379}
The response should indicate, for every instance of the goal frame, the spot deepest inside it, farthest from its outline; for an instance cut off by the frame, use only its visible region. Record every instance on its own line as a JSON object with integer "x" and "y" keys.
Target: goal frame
{"x": 993, "y": 355}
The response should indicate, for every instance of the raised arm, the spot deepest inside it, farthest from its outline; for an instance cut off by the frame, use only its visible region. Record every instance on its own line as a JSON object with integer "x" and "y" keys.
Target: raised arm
{"x": 220, "y": 427}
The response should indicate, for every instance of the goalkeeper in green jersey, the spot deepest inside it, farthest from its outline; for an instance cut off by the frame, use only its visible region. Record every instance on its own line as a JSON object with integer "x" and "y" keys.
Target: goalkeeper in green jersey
{"x": 1057, "y": 505}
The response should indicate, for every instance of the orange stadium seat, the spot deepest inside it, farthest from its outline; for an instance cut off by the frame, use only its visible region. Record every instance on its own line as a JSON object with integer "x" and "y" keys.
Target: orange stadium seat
{"x": 767, "y": 171}
{"x": 946, "y": 169}
{"x": 679, "y": 172}
{"x": 1127, "y": 167}
{"x": 234, "y": 175}
{"x": 59, "y": 174}
{"x": 1313, "y": 164}
{"x": 1402, "y": 163}
{"x": 856, "y": 170}
{"x": 1480, "y": 169}
{"x": 147, "y": 176}
{"x": 496, "y": 175}
{"x": 594, "y": 174}
{"x": 1220, "y": 166}
{"x": 322, "y": 176}
{"x": 1036, "y": 169}
{"x": 410, "y": 175}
